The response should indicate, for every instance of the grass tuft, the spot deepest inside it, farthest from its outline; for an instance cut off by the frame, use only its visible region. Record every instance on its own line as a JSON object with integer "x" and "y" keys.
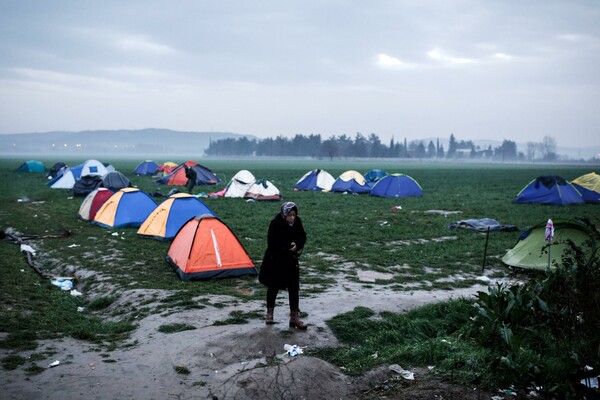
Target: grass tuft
{"x": 173, "y": 328}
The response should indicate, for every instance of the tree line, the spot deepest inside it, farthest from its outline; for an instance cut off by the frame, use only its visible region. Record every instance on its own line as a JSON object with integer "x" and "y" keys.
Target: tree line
{"x": 372, "y": 147}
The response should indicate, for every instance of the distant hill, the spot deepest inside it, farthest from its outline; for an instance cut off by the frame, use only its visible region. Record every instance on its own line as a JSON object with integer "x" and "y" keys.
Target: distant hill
{"x": 143, "y": 142}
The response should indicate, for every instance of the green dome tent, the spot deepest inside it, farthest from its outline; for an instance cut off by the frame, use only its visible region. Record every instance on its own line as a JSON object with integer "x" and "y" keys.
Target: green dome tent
{"x": 32, "y": 166}
{"x": 531, "y": 251}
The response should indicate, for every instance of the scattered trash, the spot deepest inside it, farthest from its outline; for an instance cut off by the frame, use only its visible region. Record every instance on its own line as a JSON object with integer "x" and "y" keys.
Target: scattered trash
{"x": 23, "y": 200}
{"x": 115, "y": 234}
{"x": 591, "y": 382}
{"x": 64, "y": 284}
{"x": 53, "y": 364}
{"x": 76, "y": 293}
{"x": 22, "y": 270}
{"x": 383, "y": 223}
{"x": 292, "y": 350}
{"x": 394, "y": 208}
{"x": 27, "y": 248}
{"x": 74, "y": 245}
{"x": 510, "y": 392}
{"x": 402, "y": 372}
{"x": 375, "y": 355}
{"x": 80, "y": 309}
{"x": 92, "y": 365}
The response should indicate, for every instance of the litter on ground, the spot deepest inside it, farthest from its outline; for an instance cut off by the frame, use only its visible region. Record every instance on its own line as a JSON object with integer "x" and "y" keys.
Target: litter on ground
{"x": 292, "y": 350}
{"x": 402, "y": 372}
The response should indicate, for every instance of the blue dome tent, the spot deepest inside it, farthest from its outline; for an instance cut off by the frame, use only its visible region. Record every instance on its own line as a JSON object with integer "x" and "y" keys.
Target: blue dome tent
{"x": 550, "y": 189}
{"x": 396, "y": 185}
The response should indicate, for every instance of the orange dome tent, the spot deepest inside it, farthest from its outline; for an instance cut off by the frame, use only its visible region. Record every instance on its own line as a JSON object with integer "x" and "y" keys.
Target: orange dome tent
{"x": 205, "y": 248}
{"x": 204, "y": 176}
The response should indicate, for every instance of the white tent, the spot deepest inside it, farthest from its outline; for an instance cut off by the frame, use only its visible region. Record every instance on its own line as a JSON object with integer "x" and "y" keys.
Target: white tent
{"x": 263, "y": 190}
{"x": 72, "y": 174}
{"x": 317, "y": 179}
{"x": 239, "y": 184}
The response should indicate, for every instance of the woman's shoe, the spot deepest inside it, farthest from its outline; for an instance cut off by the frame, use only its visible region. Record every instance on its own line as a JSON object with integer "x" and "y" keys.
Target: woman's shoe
{"x": 269, "y": 316}
{"x": 295, "y": 320}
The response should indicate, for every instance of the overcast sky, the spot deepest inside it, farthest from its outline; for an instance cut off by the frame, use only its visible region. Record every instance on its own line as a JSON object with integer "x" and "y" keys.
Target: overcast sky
{"x": 516, "y": 70}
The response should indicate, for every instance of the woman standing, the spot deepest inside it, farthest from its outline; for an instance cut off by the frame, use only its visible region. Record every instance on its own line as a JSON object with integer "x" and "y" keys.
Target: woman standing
{"x": 280, "y": 268}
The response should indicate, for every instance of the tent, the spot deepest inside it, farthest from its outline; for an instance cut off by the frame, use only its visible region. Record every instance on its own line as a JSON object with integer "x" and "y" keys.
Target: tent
{"x": 396, "y": 185}
{"x": 166, "y": 168}
{"x": 129, "y": 207}
{"x": 205, "y": 248}
{"x": 169, "y": 216}
{"x": 85, "y": 185}
{"x": 115, "y": 181}
{"x": 32, "y": 166}
{"x": 72, "y": 174}
{"x": 57, "y": 169}
{"x": 147, "y": 167}
{"x": 239, "y": 184}
{"x": 263, "y": 189}
{"x": 550, "y": 189}
{"x": 531, "y": 250}
{"x": 317, "y": 179}
{"x": 374, "y": 175}
{"x": 204, "y": 176}
{"x": 589, "y": 187}
{"x": 352, "y": 182}
{"x": 92, "y": 203}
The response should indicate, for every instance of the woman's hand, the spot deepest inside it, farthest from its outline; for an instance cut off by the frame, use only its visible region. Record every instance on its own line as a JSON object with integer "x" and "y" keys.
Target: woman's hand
{"x": 293, "y": 247}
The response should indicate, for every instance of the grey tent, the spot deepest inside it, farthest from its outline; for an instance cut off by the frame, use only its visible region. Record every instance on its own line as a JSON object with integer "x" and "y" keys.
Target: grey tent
{"x": 115, "y": 181}
{"x": 85, "y": 185}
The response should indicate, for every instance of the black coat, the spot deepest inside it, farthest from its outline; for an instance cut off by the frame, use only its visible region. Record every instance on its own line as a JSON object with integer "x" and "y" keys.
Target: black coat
{"x": 280, "y": 266}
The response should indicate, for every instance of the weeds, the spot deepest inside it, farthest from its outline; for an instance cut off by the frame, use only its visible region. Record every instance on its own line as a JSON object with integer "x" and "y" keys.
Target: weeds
{"x": 182, "y": 370}
{"x": 239, "y": 317}
{"x": 173, "y": 328}
{"x": 539, "y": 334}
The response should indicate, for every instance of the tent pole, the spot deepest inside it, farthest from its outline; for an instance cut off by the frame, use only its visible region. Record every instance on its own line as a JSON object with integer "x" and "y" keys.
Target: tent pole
{"x": 487, "y": 236}
{"x": 548, "y": 269}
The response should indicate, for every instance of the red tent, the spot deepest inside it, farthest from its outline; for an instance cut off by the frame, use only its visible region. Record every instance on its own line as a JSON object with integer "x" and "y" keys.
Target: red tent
{"x": 92, "y": 203}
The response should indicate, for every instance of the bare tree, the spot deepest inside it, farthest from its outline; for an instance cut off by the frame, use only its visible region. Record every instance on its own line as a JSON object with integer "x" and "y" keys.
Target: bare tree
{"x": 548, "y": 148}
{"x": 531, "y": 147}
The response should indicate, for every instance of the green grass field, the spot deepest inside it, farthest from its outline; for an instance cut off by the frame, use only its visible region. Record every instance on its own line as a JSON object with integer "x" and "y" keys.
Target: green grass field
{"x": 417, "y": 247}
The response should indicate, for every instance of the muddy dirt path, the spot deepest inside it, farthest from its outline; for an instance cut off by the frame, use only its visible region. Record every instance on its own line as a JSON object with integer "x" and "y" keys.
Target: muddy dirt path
{"x": 223, "y": 362}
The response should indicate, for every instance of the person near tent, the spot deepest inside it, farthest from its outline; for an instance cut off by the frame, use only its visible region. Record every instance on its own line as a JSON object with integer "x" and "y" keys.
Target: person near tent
{"x": 280, "y": 268}
{"x": 191, "y": 176}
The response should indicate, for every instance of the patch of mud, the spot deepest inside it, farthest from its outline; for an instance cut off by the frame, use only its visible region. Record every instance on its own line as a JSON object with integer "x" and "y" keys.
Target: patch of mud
{"x": 230, "y": 362}
{"x": 429, "y": 270}
{"x": 410, "y": 242}
{"x": 327, "y": 257}
{"x": 373, "y": 276}
{"x": 245, "y": 361}
{"x": 441, "y": 212}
